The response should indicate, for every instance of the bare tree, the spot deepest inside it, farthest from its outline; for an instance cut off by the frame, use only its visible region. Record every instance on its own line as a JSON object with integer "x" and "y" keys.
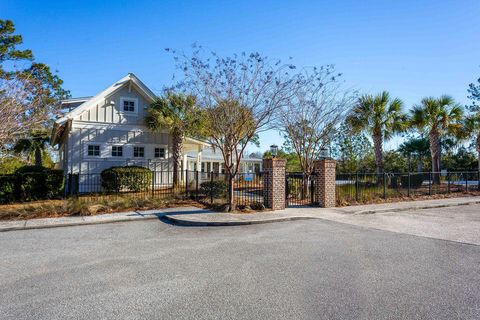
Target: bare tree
{"x": 241, "y": 96}
{"x": 319, "y": 105}
{"x": 29, "y": 100}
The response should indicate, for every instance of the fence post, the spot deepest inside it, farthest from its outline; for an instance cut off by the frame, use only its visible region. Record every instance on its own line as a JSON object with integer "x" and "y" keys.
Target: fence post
{"x": 153, "y": 183}
{"x": 196, "y": 184}
{"x": 448, "y": 182}
{"x": 408, "y": 190}
{"x": 356, "y": 186}
{"x": 384, "y": 186}
{"x": 68, "y": 185}
{"x": 211, "y": 186}
{"x": 429, "y": 183}
{"x": 466, "y": 181}
{"x": 186, "y": 184}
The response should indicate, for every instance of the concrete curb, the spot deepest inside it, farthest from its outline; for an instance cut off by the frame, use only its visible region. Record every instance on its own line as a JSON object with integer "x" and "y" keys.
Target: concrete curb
{"x": 431, "y": 206}
{"x": 195, "y": 223}
{"x": 72, "y": 224}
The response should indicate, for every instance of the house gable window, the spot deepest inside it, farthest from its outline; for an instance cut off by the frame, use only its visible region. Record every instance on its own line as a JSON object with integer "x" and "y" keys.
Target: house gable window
{"x": 93, "y": 150}
{"x": 138, "y": 152}
{"x": 117, "y": 151}
{"x": 128, "y": 105}
{"x": 160, "y": 153}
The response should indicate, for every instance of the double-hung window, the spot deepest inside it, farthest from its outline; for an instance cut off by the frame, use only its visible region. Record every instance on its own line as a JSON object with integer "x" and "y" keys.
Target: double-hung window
{"x": 128, "y": 105}
{"x": 160, "y": 153}
{"x": 117, "y": 151}
{"x": 93, "y": 150}
{"x": 138, "y": 152}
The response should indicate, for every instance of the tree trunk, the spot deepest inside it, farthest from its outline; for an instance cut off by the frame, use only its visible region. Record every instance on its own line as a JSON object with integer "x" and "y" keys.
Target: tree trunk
{"x": 231, "y": 204}
{"x": 378, "y": 146}
{"x": 177, "y": 145}
{"x": 435, "y": 153}
{"x": 38, "y": 156}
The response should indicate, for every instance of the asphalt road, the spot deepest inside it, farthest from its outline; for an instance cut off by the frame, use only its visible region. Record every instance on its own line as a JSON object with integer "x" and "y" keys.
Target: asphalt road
{"x": 293, "y": 270}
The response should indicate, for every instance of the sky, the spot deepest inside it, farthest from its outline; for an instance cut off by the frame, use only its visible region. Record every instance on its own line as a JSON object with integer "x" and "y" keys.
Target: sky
{"x": 413, "y": 49}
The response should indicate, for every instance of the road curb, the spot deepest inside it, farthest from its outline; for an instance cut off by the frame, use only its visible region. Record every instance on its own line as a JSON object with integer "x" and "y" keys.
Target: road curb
{"x": 193, "y": 223}
{"x": 432, "y": 206}
{"x": 176, "y": 220}
{"x": 72, "y": 224}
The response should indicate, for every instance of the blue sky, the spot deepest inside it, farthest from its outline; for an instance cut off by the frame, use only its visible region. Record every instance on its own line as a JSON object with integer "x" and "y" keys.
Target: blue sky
{"x": 410, "y": 48}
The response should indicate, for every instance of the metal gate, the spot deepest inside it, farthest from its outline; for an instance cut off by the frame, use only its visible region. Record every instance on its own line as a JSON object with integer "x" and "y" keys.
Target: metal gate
{"x": 299, "y": 189}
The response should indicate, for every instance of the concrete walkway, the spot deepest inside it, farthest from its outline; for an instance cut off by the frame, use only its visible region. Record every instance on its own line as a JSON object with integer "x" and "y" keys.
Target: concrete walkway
{"x": 192, "y": 216}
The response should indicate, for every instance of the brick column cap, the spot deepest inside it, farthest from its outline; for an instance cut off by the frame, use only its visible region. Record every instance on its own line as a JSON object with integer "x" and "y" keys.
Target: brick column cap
{"x": 274, "y": 162}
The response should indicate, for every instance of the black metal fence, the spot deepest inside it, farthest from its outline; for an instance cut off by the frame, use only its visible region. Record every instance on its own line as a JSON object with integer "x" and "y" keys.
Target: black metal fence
{"x": 205, "y": 186}
{"x": 366, "y": 187}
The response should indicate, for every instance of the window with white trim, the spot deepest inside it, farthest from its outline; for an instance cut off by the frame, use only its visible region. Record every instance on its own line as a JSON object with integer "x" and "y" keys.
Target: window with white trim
{"x": 138, "y": 152}
{"x": 117, "y": 151}
{"x": 128, "y": 105}
{"x": 93, "y": 150}
{"x": 160, "y": 153}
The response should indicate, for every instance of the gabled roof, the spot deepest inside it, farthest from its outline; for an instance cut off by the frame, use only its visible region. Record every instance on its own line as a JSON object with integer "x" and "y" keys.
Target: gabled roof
{"x": 143, "y": 89}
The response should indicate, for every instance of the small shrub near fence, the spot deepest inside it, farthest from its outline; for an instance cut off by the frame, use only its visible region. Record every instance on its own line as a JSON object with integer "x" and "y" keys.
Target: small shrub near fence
{"x": 131, "y": 178}
{"x": 214, "y": 189}
{"x": 414, "y": 179}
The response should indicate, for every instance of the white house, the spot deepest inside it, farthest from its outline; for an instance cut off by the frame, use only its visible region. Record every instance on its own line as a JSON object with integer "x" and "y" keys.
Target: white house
{"x": 107, "y": 130}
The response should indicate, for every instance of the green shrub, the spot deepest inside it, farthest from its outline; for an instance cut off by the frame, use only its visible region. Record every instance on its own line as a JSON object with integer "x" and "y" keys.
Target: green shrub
{"x": 8, "y": 165}
{"x": 215, "y": 189}
{"x": 54, "y": 183}
{"x": 36, "y": 183}
{"x": 7, "y": 188}
{"x": 416, "y": 180}
{"x": 131, "y": 178}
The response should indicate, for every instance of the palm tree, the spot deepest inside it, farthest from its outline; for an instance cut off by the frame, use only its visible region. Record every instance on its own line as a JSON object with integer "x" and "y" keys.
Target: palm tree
{"x": 439, "y": 117}
{"x": 472, "y": 124}
{"x": 419, "y": 147}
{"x": 177, "y": 114}
{"x": 381, "y": 117}
{"x": 34, "y": 145}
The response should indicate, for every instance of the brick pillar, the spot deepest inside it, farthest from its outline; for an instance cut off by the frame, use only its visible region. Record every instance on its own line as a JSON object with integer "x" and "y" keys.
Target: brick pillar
{"x": 325, "y": 183}
{"x": 274, "y": 183}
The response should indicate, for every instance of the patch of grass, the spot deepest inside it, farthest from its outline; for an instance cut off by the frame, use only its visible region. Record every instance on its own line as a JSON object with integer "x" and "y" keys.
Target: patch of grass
{"x": 345, "y": 194}
{"x": 34, "y": 209}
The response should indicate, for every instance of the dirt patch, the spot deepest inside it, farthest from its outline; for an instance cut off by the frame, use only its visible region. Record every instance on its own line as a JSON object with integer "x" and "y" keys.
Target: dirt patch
{"x": 87, "y": 207}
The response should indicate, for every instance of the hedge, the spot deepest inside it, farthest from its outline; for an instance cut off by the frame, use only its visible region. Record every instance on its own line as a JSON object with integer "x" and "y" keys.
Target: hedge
{"x": 31, "y": 183}
{"x": 215, "y": 189}
{"x": 7, "y": 188}
{"x": 36, "y": 183}
{"x": 130, "y": 178}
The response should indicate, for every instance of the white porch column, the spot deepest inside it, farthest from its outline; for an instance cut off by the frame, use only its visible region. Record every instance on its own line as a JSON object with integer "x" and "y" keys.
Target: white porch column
{"x": 199, "y": 159}
{"x": 185, "y": 163}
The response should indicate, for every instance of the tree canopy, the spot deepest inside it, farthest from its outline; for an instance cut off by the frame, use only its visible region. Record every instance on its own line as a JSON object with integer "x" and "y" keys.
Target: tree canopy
{"x": 30, "y": 93}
